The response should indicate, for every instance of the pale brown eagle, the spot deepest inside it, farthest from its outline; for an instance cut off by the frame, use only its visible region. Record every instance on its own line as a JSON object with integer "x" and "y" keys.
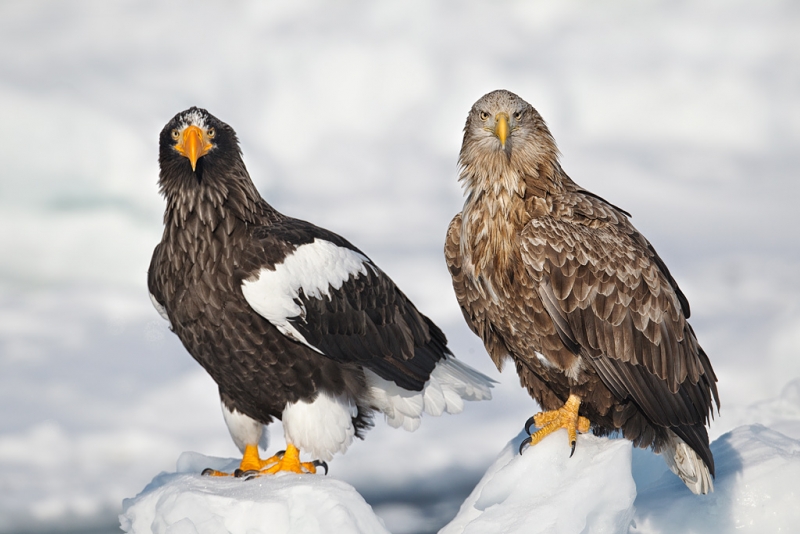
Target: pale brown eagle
{"x": 558, "y": 279}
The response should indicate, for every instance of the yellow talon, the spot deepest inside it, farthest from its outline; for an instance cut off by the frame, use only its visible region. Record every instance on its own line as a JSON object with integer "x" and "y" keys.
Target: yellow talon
{"x": 565, "y": 417}
{"x": 252, "y": 464}
{"x": 290, "y": 461}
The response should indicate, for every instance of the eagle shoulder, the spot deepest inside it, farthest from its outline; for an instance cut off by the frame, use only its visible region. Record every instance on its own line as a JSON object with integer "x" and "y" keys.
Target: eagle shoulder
{"x": 325, "y": 293}
{"x": 471, "y": 297}
{"x": 313, "y": 270}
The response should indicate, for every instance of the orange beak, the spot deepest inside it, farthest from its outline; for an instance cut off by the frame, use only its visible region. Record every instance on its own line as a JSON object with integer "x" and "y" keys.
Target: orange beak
{"x": 192, "y": 145}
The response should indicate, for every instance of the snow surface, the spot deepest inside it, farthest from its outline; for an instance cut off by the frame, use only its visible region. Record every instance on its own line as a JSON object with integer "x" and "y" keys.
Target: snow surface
{"x": 606, "y": 487}
{"x": 546, "y": 491}
{"x": 686, "y": 114}
{"x": 543, "y": 490}
{"x": 756, "y": 489}
{"x": 186, "y": 502}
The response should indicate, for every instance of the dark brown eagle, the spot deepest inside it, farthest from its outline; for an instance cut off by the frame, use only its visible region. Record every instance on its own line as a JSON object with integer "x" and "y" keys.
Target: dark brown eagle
{"x": 291, "y": 320}
{"x": 558, "y": 279}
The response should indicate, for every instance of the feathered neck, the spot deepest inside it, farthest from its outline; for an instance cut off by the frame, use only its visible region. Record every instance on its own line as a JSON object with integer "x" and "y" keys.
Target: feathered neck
{"x": 530, "y": 160}
{"x": 212, "y": 194}
{"x": 500, "y": 188}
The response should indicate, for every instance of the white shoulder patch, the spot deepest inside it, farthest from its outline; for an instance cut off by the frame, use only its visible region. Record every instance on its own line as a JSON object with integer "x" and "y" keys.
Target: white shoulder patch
{"x": 322, "y": 427}
{"x": 451, "y": 383}
{"x": 162, "y": 311}
{"x": 315, "y": 268}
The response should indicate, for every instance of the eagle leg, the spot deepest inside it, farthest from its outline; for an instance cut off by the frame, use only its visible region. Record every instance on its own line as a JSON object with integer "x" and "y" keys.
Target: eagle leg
{"x": 252, "y": 465}
{"x": 550, "y": 421}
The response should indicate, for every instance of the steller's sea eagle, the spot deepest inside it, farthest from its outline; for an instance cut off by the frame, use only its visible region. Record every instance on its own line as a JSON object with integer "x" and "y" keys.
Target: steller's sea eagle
{"x": 290, "y": 320}
{"x": 558, "y": 279}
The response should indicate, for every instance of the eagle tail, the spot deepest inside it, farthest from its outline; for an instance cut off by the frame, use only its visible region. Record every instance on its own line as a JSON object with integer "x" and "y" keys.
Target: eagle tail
{"x": 687, "y": 464}
{"x": 451, "y": 383}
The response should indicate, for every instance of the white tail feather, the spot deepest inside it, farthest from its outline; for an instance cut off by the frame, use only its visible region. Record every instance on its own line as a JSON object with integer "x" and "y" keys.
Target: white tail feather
{"x": 684, "y": 462}
{"x": 451, "y": 383}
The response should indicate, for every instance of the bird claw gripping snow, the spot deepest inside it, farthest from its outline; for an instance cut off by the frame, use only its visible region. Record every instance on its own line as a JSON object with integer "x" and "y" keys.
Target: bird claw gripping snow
{"x": 550, "y": 421}
{"x": 288, "y": 460}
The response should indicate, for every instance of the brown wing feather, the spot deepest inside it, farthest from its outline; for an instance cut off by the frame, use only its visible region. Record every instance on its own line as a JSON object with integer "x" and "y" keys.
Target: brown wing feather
{"x": 622, "y": 295}
{"x": 612, "y": 300}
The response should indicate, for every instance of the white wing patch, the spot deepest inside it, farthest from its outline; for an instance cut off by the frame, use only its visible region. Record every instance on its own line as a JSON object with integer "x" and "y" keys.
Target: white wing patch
{"x": 315, "y": 268}
{"x": 322, "y": 427}
{"x": 451, "y": 383}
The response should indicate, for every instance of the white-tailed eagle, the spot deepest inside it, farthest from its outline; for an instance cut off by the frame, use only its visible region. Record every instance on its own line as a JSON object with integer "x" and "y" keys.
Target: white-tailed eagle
{"x": 559, "y": 280}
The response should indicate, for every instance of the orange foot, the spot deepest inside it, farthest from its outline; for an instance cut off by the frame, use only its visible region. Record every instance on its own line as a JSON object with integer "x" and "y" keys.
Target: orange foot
{"x": 548, "y": 422}
{"x": 288, "y": 460}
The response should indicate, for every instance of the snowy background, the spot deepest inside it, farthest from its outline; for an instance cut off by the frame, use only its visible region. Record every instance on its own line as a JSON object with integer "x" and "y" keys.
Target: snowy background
{"x": 686, "y": 114}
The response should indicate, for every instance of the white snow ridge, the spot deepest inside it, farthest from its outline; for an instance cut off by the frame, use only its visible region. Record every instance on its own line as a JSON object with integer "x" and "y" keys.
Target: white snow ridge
{"x": 546, "y": 491}
{"x": 540, "y": 491}
{"x": 189, "y": 503}
{"x": 756, "y": 489}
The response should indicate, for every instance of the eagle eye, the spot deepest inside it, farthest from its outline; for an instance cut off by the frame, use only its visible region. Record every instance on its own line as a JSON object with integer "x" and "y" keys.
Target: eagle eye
{"x": 176, "y": 134}
{"x": 211, "y": 133}
{"x": 518, "y": 116}
{"x": 484, "y": 115}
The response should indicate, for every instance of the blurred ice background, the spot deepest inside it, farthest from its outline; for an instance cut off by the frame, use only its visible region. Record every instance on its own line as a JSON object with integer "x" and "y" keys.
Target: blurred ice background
{"x": 686, "y": 114}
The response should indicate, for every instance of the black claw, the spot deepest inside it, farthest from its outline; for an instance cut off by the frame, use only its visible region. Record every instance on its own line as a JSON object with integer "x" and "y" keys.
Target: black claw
{"x": 247, "y": 475}
{"x": 321, "y": 463}
{"x": 524, "y": 443}
{"x": 207, "y": 472}
{"x": 573, "y": 449}
{"x": 528, "y": 424}
{"x": 280, "y": 454}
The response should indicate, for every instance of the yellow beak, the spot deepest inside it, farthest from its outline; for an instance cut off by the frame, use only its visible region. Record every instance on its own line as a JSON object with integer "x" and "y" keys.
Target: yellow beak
{"x": 501, "y": 128}
{"x": 192, "y": 145}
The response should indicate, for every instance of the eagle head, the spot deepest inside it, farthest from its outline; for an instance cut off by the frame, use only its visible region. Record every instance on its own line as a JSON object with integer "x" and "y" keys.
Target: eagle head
{"x": 194, "y": 141}
{"x": 501, "y": 123}
{"x": 505, "y": 139}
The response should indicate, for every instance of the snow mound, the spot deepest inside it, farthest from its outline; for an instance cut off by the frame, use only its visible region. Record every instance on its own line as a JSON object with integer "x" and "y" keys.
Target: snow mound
{"x": 544, "y": 490}
{"x": 186, "y": 502}
{"x": 781, "y": 413}
{"x": 756, "y": 489}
